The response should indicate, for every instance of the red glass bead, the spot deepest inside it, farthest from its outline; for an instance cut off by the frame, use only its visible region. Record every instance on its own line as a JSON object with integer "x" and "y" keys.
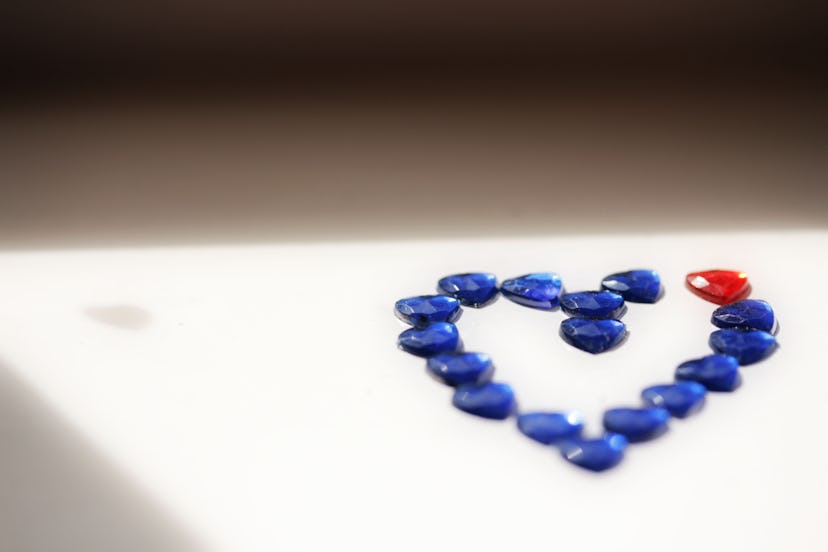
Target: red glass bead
{"x": 719, "y": 286}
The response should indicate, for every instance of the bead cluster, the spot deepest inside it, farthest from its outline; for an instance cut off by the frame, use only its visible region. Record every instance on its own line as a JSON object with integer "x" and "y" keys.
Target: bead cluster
{"x": 745, "y": 337}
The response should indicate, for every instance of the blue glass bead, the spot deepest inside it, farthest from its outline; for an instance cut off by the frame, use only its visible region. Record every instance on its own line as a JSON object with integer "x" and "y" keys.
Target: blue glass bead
{"x": 746, "y": 347}
{"x": 636, "y": 286}
{"x": 491, "y": 400}
{"x": 680, "y": 399}
{"x": 550, "y": 427}
{"x": 593, "y": 336}
{"x": 475, "y": 289}
{"x": 593, "y": 304}
{"x": 427, "y": 309}
{"x": 540, "y": 290}
{"x": 637, "y": 424}
{"x": 440, "y": 337}
{"x": 595, "y": 454}
{"x": 458, "y": 368}
{"x": 750, "y": 314}
{"x": 715, "y": 372}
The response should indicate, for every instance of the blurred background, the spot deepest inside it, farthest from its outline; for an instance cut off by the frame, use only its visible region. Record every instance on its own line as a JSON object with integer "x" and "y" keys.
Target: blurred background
{"x": 215, "y": 122}
{"x": 185, "y": 122}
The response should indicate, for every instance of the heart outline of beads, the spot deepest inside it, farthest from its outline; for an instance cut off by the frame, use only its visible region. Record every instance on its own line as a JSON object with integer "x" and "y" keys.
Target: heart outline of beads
{"x": 481, "y": 396}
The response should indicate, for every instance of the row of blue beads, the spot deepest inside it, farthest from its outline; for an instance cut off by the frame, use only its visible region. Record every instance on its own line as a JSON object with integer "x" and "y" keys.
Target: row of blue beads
{"x": 744, "y": 339}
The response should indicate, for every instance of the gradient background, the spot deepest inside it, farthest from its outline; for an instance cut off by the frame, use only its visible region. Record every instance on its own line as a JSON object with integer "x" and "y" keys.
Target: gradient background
{"x": 181, "y": 121}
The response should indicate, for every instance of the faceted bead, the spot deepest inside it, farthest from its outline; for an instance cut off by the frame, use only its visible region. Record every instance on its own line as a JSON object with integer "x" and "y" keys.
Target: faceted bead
{"x": 637, "y": 424}
{"x": 475, "y": 289}
{"x": 459, "y": 368}
{"x": 440, "y": 337}
{"x": 750, "y": 314}
{"x": 550, "y": 427}
{"x": 426, "y": 309}
{"x": 593, "y": 304}
{"x": 593, "y": 336}
{"x": 680, "y": 399}
{"x": 636, "y": 286}
{"x": 539, "y": 290}
{"x": 719, "y": 286}
{"x": 746, "y": 347}
{"x": 595, "y": 454}
{"x": 491, "y": 400}
{"x": 715, "y": 372}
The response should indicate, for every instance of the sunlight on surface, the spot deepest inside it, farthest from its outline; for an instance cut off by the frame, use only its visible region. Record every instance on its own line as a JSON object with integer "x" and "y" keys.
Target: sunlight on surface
{"x": 261, "y": 361}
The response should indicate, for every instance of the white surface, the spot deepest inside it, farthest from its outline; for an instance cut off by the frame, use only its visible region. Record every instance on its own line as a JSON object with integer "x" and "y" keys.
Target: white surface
{"x": 257, "y": 395}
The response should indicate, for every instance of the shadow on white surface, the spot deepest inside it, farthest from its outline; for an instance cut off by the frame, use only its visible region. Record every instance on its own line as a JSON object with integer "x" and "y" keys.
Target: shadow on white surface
{"x": 59, "y": 494}
{"x": 124, "y": 317}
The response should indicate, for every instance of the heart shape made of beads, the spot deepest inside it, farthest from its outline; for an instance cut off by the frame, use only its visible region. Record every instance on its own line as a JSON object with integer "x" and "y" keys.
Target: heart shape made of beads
{"x": 746, "y": 336}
